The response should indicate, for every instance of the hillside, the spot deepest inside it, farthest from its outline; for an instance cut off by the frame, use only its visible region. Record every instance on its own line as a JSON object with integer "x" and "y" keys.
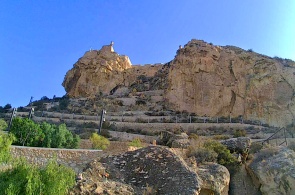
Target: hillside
{"x": 203, "y": 79}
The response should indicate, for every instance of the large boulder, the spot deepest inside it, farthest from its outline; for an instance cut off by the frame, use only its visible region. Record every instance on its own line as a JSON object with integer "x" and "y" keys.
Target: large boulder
{"x": 215, "y": 179}
{"x": 174, "y": 140}
{"x": 155, "y": 167}
{"x": 273, "y": 170}
{"x": 240, "y": 144}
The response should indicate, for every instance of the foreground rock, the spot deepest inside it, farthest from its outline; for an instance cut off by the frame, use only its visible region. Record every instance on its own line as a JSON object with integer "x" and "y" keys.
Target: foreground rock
{"x": 156, "y": 167}
{"x": 215, "y": 179}
{"x": 95, "y": 181}
{"x": 273, "y": 170}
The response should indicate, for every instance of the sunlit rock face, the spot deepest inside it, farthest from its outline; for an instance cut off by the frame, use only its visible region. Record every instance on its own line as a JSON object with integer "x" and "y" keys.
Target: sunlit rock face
{"x": 221, "y": 81}
{"x": 273, "y": 170}
{"x": 98, "y": 71}
{"x": 202, "y": 78}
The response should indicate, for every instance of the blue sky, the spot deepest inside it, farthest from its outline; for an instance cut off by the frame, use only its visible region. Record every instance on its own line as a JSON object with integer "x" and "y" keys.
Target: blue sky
{"x": 41, "y": 40}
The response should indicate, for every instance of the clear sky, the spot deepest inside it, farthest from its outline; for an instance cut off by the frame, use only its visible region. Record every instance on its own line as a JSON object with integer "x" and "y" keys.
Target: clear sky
{"x": 41, "y": 40}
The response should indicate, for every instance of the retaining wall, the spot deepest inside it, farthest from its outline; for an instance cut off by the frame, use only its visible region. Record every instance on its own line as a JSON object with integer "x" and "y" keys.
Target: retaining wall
{"x": 74, "y": 158}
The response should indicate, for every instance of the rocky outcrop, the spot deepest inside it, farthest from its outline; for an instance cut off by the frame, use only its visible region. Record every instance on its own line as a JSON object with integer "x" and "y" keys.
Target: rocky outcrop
{"x": 228, "y": 81}
{"x": 103, "y": 72}
{"x": 96, "y": 72}
{"x": 273, "y": 170}
{"x": 156, "y": 167}
{"x": 215, "y": 179}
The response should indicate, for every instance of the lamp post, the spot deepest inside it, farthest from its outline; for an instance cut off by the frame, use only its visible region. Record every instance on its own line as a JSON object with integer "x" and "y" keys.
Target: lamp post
{"x": 102, "y": 119}
{"x": 14, "y": 111}
{"x": 31, "y": 113}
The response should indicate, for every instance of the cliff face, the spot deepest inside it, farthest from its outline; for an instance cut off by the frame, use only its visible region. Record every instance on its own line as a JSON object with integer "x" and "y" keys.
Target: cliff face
{"x": 202, "y": 78}
{"x": 222, "y": 81}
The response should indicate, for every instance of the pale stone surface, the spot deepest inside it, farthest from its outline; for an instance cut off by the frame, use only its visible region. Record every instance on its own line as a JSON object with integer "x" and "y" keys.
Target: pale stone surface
{"x": 215, "y": 179}
{"x": 273, "y": 169}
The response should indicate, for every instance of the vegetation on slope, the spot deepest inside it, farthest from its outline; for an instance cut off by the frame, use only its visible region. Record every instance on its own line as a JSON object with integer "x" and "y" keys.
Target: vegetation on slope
{"x": 23, "y": 178}
{"x": 29, "y": 133}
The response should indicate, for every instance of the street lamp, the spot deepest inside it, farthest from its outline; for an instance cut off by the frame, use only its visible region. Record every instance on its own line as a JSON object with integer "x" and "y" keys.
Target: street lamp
{"x": 102, "y": 119}
{"x": 14, "y": 111}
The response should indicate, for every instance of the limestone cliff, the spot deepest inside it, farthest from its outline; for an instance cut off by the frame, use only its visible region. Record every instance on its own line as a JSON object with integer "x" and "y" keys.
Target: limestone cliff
{"x": 202, "y": 78}
{"x": 221, "y": 81}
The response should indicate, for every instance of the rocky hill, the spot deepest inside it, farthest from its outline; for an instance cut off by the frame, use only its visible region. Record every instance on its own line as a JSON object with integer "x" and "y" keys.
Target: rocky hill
{"x": 203, "y": 79}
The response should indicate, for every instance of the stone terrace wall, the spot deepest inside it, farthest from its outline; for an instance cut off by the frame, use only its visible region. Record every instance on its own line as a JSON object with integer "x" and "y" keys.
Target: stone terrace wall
{"x": 74, "y": 158}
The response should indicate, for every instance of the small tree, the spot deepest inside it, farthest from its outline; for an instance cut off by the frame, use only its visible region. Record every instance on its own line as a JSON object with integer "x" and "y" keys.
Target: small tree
{"x": 61, "y": 137}
{"x": 27, "y": 132}
{"x": 99, "y": 142}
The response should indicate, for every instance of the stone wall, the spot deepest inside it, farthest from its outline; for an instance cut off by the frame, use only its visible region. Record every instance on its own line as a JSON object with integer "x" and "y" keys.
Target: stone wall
{"x": 74, "y": 158}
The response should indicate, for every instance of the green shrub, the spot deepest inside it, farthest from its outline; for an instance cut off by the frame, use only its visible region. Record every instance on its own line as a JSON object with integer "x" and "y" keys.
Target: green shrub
{"x": 136, "y": 143}
{"x": 24, "y": 178}
{"x": 29, "y": 133}
{"x": 203, "y": 155}
{"x": 240, "y": 133}
{"x": 26, "y": 132}
{"x": 224, "y": 156}
{"x": 3, "y": 125}
{"x": 99, "y": 142}
{"x": 5, "y": 143}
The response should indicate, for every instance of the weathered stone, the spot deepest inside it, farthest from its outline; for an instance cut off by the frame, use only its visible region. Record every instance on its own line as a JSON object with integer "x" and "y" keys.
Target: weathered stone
{"x": 177, "y": 177}
{"x": 273, "y": 170}
{"x": 215, "y": 179}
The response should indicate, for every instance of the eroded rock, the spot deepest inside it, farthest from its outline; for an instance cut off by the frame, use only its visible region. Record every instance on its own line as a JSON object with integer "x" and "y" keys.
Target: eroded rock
{"x": 156, "y": 167}
{"x": 215, "y": 179}
{"x": 273, "y": 169}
